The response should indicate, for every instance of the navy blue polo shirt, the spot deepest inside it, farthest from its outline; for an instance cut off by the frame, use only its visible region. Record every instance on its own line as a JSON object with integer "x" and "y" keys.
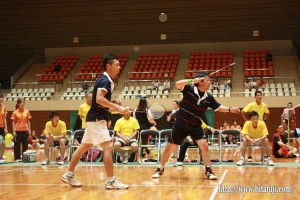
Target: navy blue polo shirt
{"x": 193, "y": 107}
{"x": 98, "y": 112}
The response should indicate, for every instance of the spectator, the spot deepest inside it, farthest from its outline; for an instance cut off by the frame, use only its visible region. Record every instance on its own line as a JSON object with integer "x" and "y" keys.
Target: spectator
{"x": 280, "y": 146}
{"x": 252, "y": 84}
{"x": 255, "y": 133}
{"x": 57, "y": 68}
{"x": 261, "y": 83}
{"x": 225, "y": 126}
{"x": 167, "y": 85}
{"x": 85, "y": 87}
{"x": 228, "y": 84}
{"x": 42, "y": 139}
{"x": 246, "y": 83}
{"x": 289, "y": 117}
{"x": 171, "y": 117}
{"x": 33, "y": 141}
{"x": 126, "y": 129}
{"x": 84, "y": 109}
{"x": 236, "y": 138}
{"x": 55, "y": 131}
{"x": 216, "y": 84}
{"x": 3, "y": 127}
{"x": 9, "y": 141}
{"x": 21, "y": 128}
{"x": 156, "y": 83}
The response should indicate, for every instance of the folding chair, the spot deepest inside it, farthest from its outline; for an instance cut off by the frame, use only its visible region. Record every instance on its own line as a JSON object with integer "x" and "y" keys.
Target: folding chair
{"x": 143, "y": 136}
{"x": 162, "y": 142}
{"x": 53, "y": 148}
{"x": 124, "y": 148}
{"x": 75, "y": 142}
{"x": 261, "y": 146}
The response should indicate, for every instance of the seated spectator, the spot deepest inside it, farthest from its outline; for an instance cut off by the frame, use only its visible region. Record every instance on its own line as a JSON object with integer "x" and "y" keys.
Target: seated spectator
{"x": 269, "y": 57}
{"x": 126, "y": 129}
{"x": 261, "y": 83}
{"x": 280, "y": 146}
{"x": 85, "y": 86}
{"x": 289, "y": 117}
{"x": 225, "y": 136}
{"x": 216, "y": 84}
{"x": 42, "y": 139}
{"x": 236, "y": 138}
{"x": 246, "y": 83}
{"x": 155, "y": 84}
{"x": 252, "y": 84}
{"x": 167, "y": 85}
{"x": 188, "y": 141}
{"x": 228, "y": 84}
{"x": 57, "y": 68}
{"x": 33, "y": 141}
{"x": 296, "y": 139}
{"x": 9, "y": 141}
{"x": 255, "y": 133}
{"x": 55, "y": 131}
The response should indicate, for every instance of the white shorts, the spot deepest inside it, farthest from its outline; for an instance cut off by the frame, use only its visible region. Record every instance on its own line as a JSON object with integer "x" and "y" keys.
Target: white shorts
{"x": 96, "y": 133}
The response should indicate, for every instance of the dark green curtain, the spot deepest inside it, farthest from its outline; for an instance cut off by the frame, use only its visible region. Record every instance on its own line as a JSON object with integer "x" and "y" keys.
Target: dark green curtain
{"x": 73, "y": 118}
{"x": 210, "y": 117}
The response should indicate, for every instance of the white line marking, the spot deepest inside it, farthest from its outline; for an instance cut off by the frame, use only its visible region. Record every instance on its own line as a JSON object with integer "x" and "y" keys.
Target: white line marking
{"x": 217, "y": 186}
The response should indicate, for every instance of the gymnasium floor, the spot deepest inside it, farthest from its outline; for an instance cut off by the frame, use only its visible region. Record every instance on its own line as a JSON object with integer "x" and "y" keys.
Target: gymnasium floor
{"x": 253, "y": 181}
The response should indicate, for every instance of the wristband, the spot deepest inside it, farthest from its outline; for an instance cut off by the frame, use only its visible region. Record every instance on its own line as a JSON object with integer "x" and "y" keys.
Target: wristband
{"x": 190, "y": 81}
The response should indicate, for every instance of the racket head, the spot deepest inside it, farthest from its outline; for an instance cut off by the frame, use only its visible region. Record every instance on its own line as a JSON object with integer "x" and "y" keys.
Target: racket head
{"x": 157, "y": 110}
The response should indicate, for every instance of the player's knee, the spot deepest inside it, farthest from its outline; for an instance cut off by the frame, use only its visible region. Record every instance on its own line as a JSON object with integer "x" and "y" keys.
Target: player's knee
{"x": 117, "y": 144}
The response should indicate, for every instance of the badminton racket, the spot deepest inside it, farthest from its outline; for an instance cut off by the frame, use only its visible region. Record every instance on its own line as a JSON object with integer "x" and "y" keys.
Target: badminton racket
{"x": 222, "y": 69}
{"x": 294, "y": 107}
{"x": 154, "y": 111}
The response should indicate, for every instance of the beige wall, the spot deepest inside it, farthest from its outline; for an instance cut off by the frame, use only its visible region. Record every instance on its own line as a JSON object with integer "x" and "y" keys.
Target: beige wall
{"x": 272, "y": 102}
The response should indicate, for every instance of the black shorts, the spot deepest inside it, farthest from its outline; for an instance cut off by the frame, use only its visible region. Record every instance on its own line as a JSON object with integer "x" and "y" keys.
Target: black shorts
{"x": 277, "y": 155}
{"x": 178, "y": 134}
{"x": 56, "y": 143}
{"x": 2, "y": 132}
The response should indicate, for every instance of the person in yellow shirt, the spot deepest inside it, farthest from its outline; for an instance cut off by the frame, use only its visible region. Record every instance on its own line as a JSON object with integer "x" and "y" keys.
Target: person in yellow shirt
{"x": 126, "y": 129}
{"x": 9, "y": 141}
{"x": 262, "y": 110}
{"x": 188, "y": 141}
{"x": 84, "y": 109}
{"x": 55, "y": 131}
{"x": 255, "y": 133}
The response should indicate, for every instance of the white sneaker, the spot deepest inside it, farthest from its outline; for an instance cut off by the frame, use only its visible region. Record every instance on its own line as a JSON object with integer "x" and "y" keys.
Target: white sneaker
{"x": 45, "y": 162}
{"x": 179, "y": 164}
{"x": 249, "y": 159}
{"x": 210, "y": 175}
{"x": 241, "y": 162}
{"x": 159, "y": 172}
{"x": 60, "y": 162}
{"x": 270, "y": 162}
{"x": 125, "y": 158}
{"x": 115, "y": 184}
{"x": 71, "y": 180}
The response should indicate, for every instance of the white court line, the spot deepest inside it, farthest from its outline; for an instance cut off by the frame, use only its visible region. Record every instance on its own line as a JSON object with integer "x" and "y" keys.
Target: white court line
{"x": 133, "y": 185}
{"x": 217, "y": 186}
{"x": 6, "y": 171}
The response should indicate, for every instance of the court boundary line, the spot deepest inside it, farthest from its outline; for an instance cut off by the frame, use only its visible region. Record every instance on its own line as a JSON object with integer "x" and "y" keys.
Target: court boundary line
{"x": 212, "y": 196}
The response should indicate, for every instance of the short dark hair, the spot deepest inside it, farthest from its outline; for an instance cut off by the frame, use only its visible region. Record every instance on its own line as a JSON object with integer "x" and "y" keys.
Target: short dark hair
{"x": 108, "y": 59}
{"x": 53, "y": 113}
{"x": 253, "y": 113}
{"x": 257, "y": 92}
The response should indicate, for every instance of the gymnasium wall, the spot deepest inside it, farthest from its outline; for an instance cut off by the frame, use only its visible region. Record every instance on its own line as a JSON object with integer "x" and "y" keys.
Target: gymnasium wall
{"x": 32, "y": 26}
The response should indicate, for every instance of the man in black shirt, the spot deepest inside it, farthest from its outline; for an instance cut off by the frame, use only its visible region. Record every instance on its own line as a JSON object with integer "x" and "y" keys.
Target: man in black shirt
{"x": 96, "y": 131}
{"x": 280, "y": 146}
{"x": 188, "y": 119}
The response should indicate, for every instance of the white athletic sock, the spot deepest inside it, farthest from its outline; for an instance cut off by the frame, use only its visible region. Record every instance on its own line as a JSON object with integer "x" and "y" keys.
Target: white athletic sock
{"x": 110, "y": 179}
{"x": 161, "y": 166}
{"x": 69, "y": 173}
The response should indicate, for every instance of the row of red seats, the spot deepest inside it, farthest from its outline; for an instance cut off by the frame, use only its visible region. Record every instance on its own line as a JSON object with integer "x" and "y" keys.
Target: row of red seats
{"x": 163, "y": 65}
{"x": 93, "y": 67}
{"x": 258, "y": 63}
{"x": 59, "y": 69}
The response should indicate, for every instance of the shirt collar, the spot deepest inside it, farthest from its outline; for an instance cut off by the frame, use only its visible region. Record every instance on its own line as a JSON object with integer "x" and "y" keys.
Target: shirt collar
{"x": 196, "y": 91}
{"x": 111, "y": 81}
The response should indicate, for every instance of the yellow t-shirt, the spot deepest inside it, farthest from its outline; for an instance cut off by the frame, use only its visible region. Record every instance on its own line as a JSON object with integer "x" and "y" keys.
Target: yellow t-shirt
{"x": 126, "y": 127}
{"x": 56, "y": 131}
{"x": 82, "y": 111}
{"x": 260, "y": 109}
{"x": 255, "y": 133}
{"x": 8, "y": 139}
{"x": 203, "y": 125}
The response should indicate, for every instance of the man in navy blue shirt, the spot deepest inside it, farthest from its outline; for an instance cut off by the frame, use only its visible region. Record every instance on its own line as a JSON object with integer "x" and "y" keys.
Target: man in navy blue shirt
{"x": 96, "y": 131}
{"x": 188, "y": 121}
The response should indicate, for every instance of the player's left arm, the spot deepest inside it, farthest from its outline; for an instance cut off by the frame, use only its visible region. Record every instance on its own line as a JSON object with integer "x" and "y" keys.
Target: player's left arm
{"x": 222, "y": 108}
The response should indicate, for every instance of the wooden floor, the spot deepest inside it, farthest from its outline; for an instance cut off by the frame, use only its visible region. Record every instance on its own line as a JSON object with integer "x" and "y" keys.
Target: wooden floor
{"x": 33, "y": 181}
